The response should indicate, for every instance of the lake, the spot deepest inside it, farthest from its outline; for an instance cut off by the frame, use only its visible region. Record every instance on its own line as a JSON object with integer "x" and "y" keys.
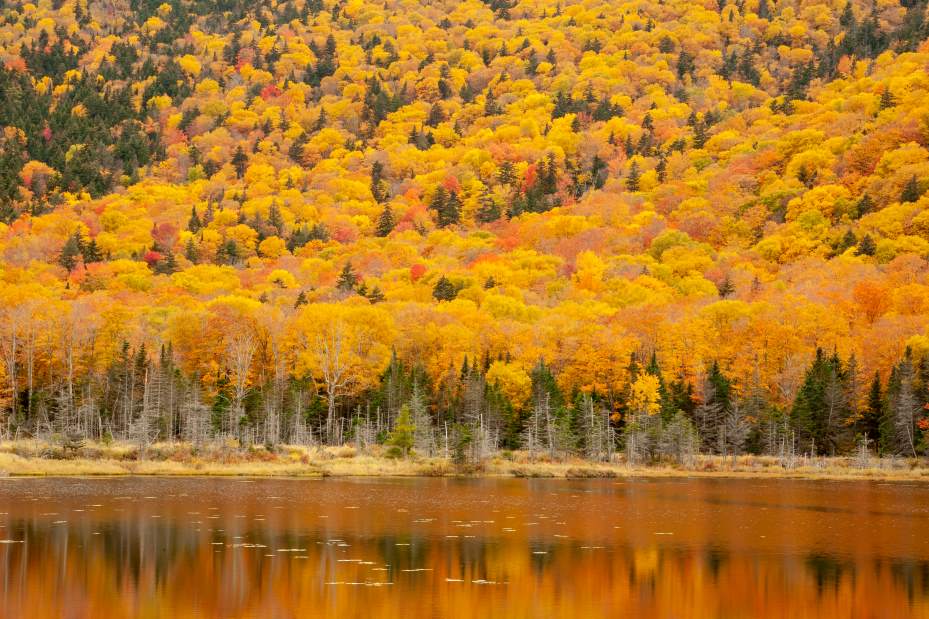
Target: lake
{"x": 193, "y": 547}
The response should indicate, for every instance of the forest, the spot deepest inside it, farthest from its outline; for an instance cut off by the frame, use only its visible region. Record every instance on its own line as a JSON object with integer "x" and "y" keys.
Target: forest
{"x": 574, "y": 228}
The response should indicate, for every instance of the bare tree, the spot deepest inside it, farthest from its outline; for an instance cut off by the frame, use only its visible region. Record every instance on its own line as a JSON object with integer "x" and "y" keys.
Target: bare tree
{"x": 241, "y": 345}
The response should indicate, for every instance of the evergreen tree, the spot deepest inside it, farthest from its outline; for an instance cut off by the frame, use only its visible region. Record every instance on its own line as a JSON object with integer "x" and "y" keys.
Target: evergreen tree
{"x": 710, "y": 414}
{"x": 911, "y": 192}
{"x": 402, "y": 435}
{"x": 451, "y": 212}
{"x": 222, "y": 403}
{"x": 869, "y": 424}
{"x": 348, "y": 279}
{"x": 489, "y": 210}
{"x": 821, "y": 407}
{"x": 298, "y": 147}
{"x": 379, "y": 188}
{"x": 725, "y": 287}
{"x": 444, "y": 290}
{"x": 887, "y": 99}
{"x": 436, "y": 115}
{"x": 700, "y": 136}
{"x": 91, "y": 252}
{"x": 194, "y": 224}
{"x": 376, "y": 295}
{"x": 864, "y": 206}
{"x": 239, "y": 161}
{"x": 385, "y": 222}
{"x": 70, "y": 252}
{"x": 190, "y": 251}
{"x": 275, "y": 219}
{"x": 437, "y": 204}
{"x": 866, "y": 246}
{"x": 632, "y": 181}
{"x": 903, "y": 408}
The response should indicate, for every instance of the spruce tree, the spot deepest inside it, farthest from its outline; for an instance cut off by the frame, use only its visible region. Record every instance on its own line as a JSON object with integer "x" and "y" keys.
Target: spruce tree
{"x": 347, "y": 278}
{"x": 401, "y": 437}
{"x": 190, "y": 251}
{"x": 194, "y": 224}
{"x": 866, "y": 246}
{"x": 275, "y": 219}
{"x": 632, "y": 181}
{"x": 91, "y": 252}
{"x": 444, "y": 290}
{"x": 437, "y": 203}
{"x": 379, "y": 190}
{"x": 821, "y": 407}
{"x": 71, "y": 251}
{"x": 489, "y": 210}
{"x": 385, "y": 222}
{"x": 869, "y": 424}
{"x": 911, "y": 191}
{"x": 451, "y": 212}
{"x": 239, "y": 161}
{"x": 376, "y": 295}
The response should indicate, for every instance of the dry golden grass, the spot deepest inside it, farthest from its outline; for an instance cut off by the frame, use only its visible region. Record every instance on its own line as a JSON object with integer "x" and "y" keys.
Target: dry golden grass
{"x": 38, "y": 458}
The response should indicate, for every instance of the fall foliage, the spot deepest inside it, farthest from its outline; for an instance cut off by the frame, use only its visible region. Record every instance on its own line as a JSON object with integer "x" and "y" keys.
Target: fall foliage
{"x": 279, "y": 220}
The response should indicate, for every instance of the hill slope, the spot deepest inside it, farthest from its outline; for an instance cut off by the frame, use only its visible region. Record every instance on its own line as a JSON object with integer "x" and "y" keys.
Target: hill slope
{"x": 277, "y": 195}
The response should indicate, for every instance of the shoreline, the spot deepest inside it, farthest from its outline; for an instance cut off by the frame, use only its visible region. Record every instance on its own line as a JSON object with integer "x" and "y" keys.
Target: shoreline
{"x": 24, "y": 459}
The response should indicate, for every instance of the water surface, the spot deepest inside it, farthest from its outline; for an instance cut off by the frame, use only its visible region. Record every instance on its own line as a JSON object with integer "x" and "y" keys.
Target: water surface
{"x": 162, "y": 547}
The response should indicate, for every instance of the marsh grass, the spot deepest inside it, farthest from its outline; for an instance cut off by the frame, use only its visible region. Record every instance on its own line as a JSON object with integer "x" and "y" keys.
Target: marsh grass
{"x": 228, "y": 458}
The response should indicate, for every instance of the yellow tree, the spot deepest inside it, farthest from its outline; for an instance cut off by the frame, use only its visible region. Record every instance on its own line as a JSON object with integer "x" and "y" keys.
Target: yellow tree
{"x": 343, "y": 347}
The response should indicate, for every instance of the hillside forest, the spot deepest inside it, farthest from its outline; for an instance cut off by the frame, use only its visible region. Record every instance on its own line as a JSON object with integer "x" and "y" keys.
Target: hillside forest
{"x": 562, "y": 226}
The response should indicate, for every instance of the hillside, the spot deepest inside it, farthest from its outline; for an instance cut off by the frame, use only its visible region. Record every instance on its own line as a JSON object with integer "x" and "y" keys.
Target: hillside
{"x": 541, "y": 224}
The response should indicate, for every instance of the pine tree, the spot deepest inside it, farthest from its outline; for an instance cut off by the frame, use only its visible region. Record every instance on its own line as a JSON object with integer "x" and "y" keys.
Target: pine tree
{"x": 821, "y": 407}
{"x": 222, "y": 403}
{"x": 376, "y": 295}
{"x": 401, "y": 437}
{"x": 424, "y": 439}
{"x": 725, "y": 287}
{"x": 700, "y": 136}
{"x": 869, "y": 424}
{"x": 866, "y": 246}
{"x": 190, "y": 251}
{"x": 71, "y": 251}
{"x": 451, "y": 212}
{"x": 239, "y": 161}
{"x": 379, "y": 190}
{"x": 444, "y": 290}
{"x": 865, "y": 205}
{"x": 297, "y": 148}
{"x": 436, "y": 115}
{"x": 911, "y": 192}
{"x": 347, "y": 278}
{"x": 301, "y": 299}
{"x": 166, "y": 265}
{"x": 385, "y": 222}
{"x": 275, "y": 219}
{"x": 632, "y": 181}
{"x": 489, "y": 210}
{"x": 437, "y": 204}
{"x": 887, "y": 99}
{"x": 194, "y": 224}
{"x": 91, "y": 252}
{"x": 903, "y": 408}
{"x": 711, "y": 413}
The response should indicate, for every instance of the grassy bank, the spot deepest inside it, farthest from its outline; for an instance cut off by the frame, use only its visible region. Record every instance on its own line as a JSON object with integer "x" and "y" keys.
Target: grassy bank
{"x": 41, "y": 458}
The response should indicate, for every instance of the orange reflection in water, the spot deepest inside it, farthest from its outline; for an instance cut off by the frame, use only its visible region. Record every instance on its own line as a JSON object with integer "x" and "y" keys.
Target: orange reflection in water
{"x": 462, "y": 548}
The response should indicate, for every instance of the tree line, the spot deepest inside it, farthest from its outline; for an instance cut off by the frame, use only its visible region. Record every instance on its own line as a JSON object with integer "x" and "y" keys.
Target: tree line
{"x": 143, "y": 396}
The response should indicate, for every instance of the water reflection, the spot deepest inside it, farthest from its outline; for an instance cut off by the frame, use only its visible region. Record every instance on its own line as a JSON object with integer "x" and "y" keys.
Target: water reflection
{"x": 462, "y": 548}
